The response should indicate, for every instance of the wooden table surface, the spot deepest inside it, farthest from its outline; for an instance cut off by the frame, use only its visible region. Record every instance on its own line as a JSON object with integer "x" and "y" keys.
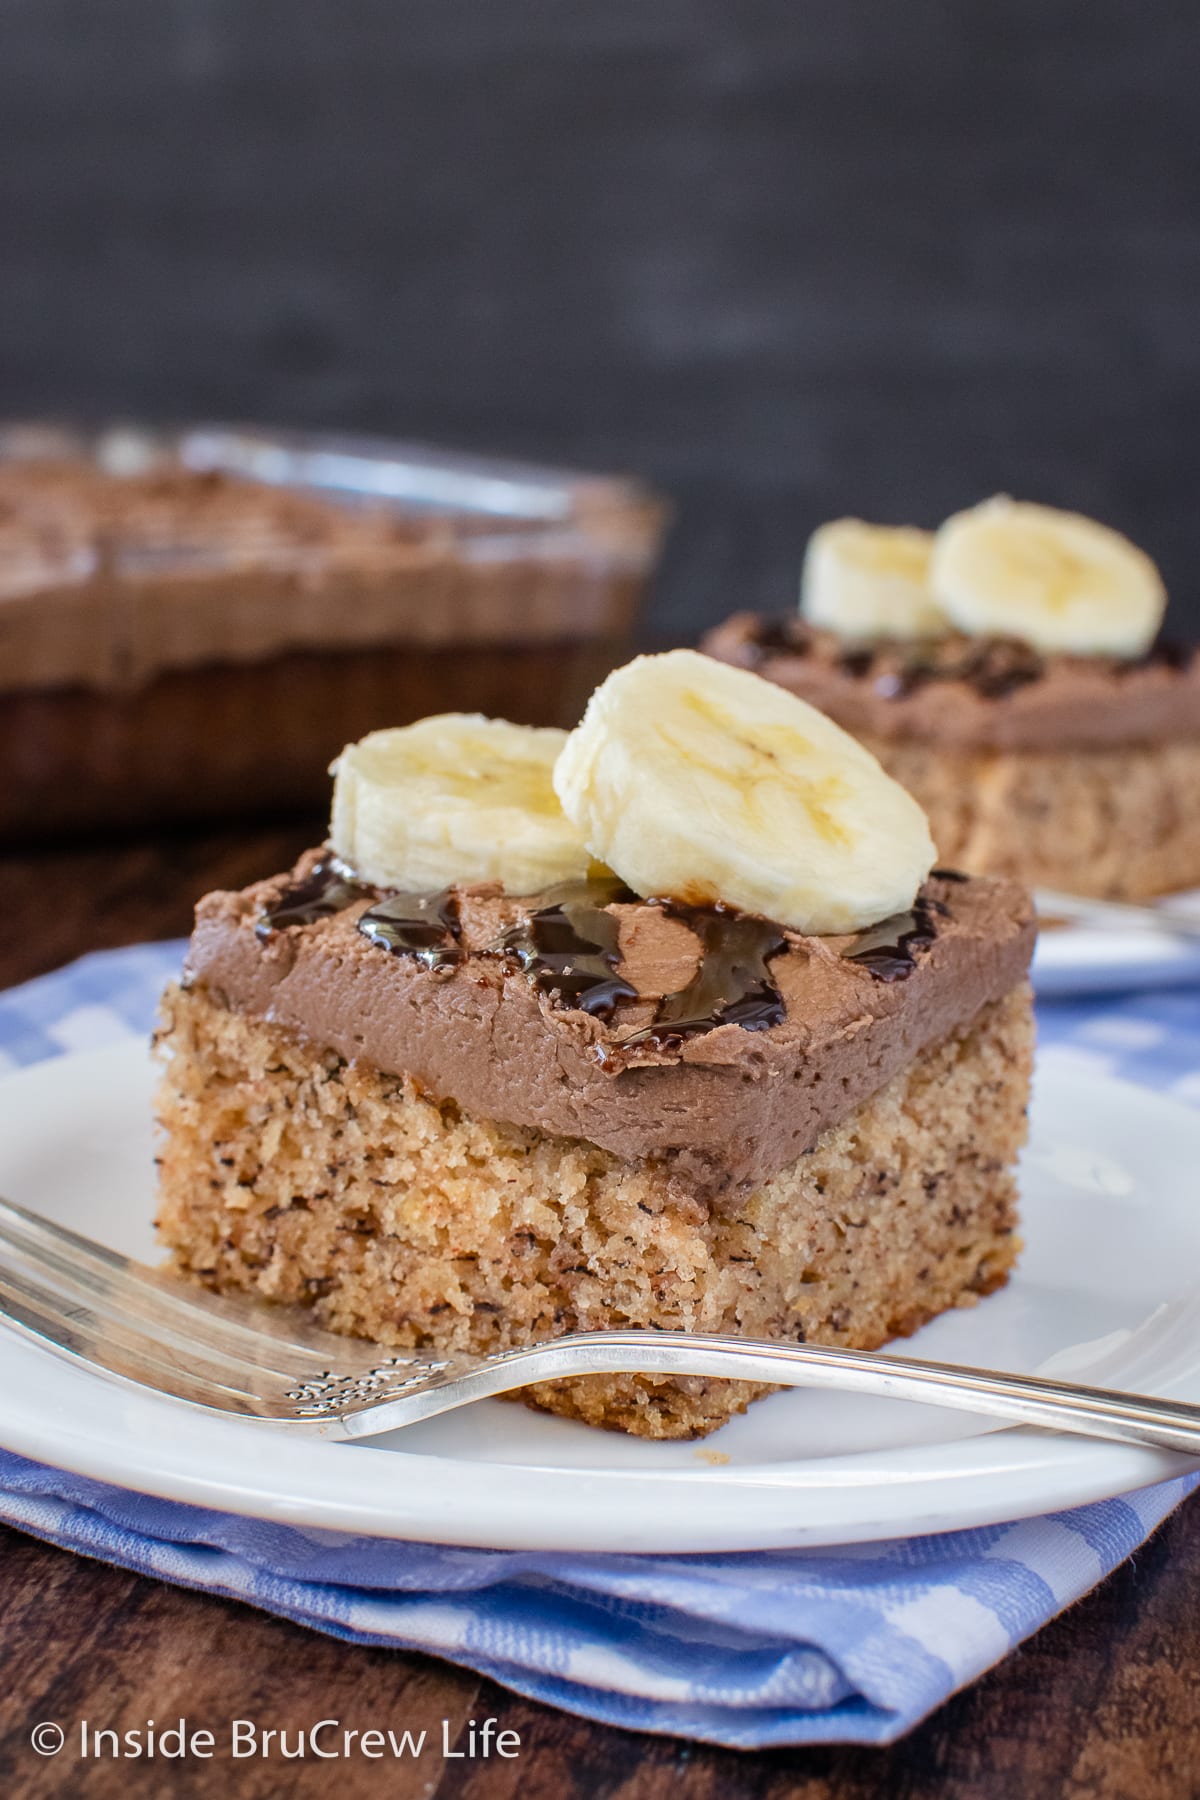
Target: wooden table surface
{"x": 1105, "y": 1701}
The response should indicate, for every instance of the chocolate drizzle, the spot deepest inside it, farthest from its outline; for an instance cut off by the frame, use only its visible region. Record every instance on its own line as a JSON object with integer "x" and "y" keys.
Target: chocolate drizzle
{"x": 889, "y": 950}
{"x": 999, "y": 666}
{"x": 423, "y": 926}
{"x": 994, "y": 666}
{"x": 732, "y": 984}
{"x": 779, "y": 636}
{"x": 326, "y": 890}
{"x": 571, "y": 946}
{"x": 1163, "y": 655}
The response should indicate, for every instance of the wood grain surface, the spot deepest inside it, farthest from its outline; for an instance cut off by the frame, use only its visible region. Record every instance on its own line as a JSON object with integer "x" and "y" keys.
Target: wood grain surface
{"x": 1104, "y": 1702}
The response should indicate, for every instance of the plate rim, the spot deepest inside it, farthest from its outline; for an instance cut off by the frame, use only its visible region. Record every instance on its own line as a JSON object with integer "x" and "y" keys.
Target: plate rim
{"x": 1119, "y": 960}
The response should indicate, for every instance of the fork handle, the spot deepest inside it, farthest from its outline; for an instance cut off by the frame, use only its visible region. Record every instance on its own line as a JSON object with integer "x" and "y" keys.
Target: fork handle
{"x": 1017, "y": 1399}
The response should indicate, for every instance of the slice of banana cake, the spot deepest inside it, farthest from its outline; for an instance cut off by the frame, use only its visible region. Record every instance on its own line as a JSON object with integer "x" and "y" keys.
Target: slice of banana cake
{"x": 664, "y": 1024}
{"x": 1005, "y": 670}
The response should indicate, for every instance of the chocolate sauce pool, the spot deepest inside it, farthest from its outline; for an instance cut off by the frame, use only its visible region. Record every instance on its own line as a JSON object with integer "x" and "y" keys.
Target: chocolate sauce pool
{"x": 423, "y": 926}
{"x": 732, "y": 984}
{"x": 326, "y": 890}
{"x": 889, "y": 950}
{"x": 570, "y": 947}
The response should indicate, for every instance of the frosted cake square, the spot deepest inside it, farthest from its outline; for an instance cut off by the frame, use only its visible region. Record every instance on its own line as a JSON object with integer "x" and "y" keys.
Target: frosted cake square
{"x": 1005, "y": 671}
{"x": 480, "y": 1114}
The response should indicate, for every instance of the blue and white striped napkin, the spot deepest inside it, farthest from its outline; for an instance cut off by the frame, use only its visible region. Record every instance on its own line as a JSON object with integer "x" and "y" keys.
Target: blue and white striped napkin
{"x": 748, "y": 1650}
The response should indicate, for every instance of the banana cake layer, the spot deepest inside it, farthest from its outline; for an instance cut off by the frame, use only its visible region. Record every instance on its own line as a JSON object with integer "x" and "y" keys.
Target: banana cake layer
{"x": 657, "y": 1069}
{"x": 296, "y": 1176}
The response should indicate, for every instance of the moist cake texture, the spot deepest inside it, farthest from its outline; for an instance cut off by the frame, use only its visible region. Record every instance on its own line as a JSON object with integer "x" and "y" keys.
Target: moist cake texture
{"x": 1064, "y": 771}
{"x": 471, "y": 1121}
{"x": 298, "y": 1176}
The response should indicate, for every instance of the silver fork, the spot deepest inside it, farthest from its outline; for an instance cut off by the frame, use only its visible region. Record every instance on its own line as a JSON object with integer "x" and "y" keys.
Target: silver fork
{"x": 142, "y": 1326}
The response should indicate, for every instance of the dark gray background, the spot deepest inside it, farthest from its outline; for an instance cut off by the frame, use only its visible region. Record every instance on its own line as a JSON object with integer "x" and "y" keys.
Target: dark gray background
{"x": 788, "y": 258}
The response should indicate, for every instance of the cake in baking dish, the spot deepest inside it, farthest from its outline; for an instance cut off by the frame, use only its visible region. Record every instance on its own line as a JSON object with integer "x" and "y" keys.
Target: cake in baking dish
{"x": 270, "y": 595}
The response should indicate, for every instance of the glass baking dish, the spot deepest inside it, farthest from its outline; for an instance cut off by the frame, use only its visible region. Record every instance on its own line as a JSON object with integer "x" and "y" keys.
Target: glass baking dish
{"x": 296, "y": 589}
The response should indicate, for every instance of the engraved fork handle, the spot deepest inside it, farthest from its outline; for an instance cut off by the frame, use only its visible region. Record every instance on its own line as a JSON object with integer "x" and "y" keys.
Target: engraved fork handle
{"x": 1015, "y": 1399}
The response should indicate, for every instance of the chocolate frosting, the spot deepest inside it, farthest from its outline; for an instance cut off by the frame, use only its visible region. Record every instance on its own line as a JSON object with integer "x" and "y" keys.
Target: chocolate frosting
{"x": 723, "y": 1108}
{"x": 990, "y": 694}
{"x": 66, "y": 521}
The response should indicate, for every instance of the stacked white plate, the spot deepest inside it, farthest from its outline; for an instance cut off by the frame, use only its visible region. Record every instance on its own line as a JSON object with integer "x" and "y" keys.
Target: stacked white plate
{"x": 1100, "y": 957}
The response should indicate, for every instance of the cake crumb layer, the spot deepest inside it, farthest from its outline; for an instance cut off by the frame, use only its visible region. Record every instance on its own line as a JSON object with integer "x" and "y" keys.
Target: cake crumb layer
{"x": 1121, "y": 823}
{"x": 297, "y": 1175}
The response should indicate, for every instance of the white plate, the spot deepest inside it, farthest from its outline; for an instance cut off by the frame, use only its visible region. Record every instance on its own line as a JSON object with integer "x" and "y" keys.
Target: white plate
{"x": 1112, "y": 1232}
{"x": 1081, "y": 959}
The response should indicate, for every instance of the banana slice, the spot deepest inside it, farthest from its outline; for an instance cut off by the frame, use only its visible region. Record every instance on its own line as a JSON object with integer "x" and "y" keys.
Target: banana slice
{"x": 696, "y": 780}
{"x": 456, "y": 798}
{"x": 868, "y": 582}
{"x": 1057, "y": 580}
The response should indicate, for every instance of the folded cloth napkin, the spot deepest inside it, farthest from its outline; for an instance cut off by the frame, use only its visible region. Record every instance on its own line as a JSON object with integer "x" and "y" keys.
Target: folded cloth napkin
{"x": 749, "y": 1650}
